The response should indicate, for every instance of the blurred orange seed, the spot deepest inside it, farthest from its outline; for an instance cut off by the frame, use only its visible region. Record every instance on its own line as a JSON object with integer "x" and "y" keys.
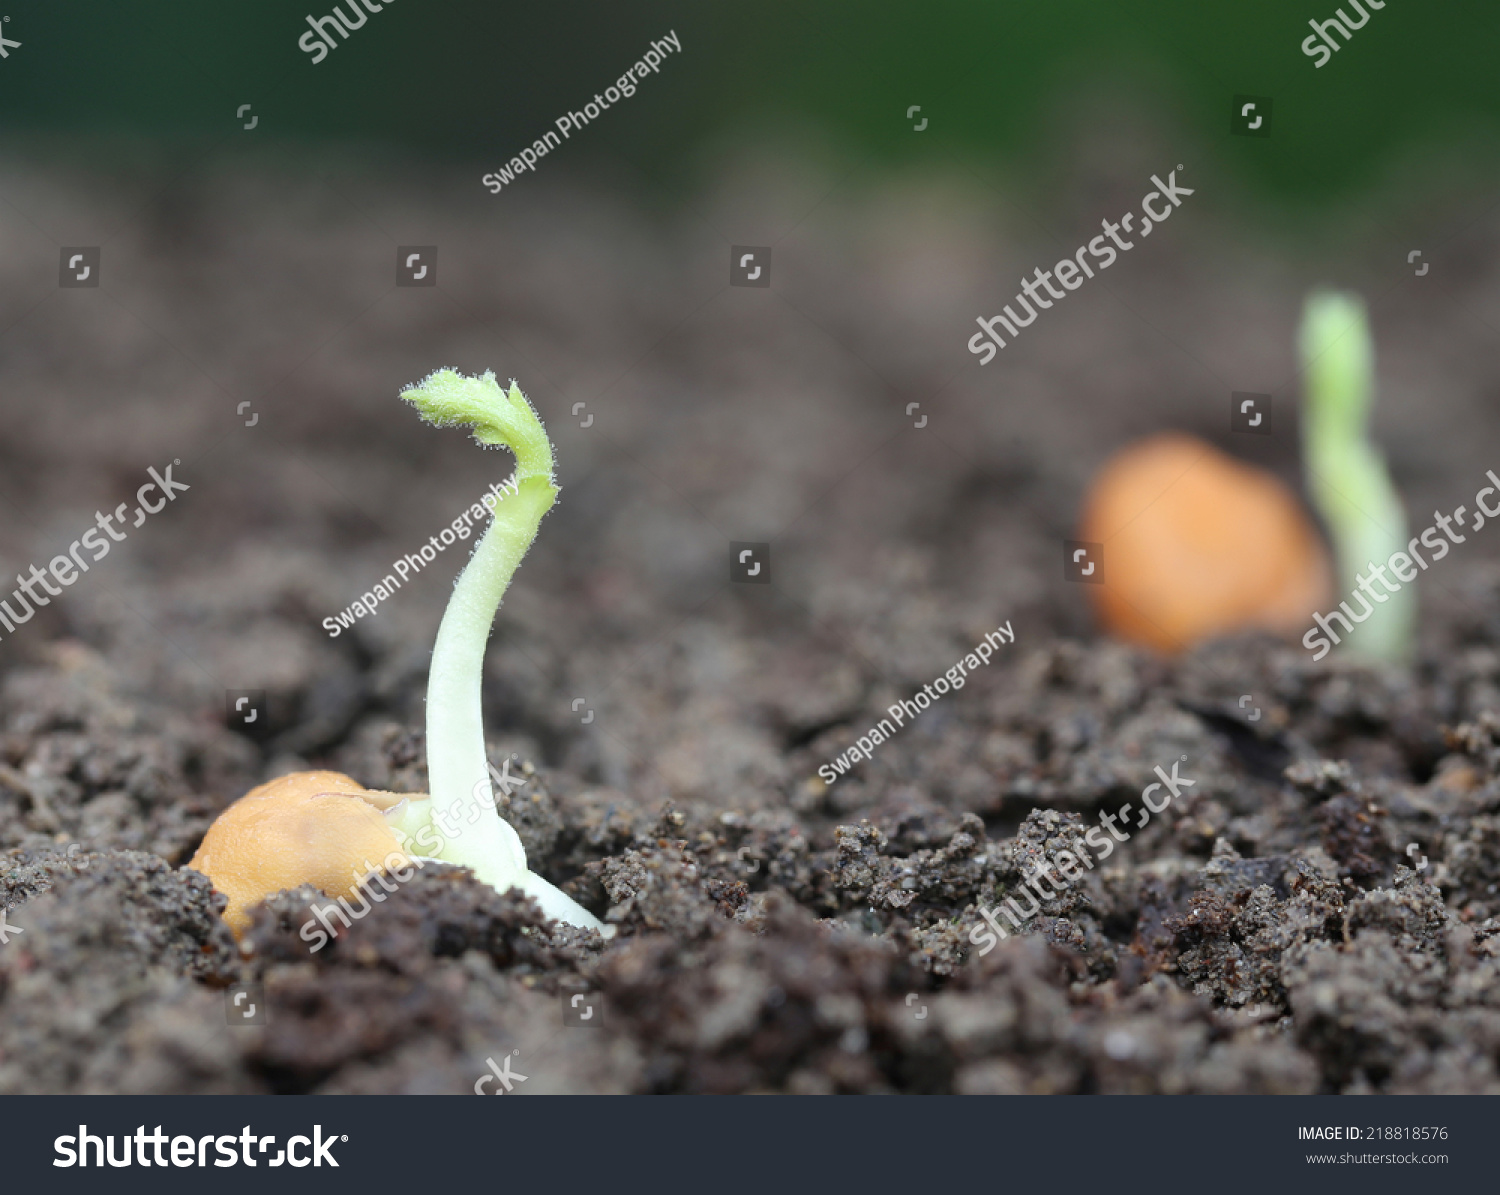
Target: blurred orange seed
{"x": 1198, "y": 544}
{"x": 318, "y": 828}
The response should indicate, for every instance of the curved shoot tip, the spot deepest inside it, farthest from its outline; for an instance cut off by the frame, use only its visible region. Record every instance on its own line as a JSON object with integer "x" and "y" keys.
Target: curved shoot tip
{"x": 446, "y": 398}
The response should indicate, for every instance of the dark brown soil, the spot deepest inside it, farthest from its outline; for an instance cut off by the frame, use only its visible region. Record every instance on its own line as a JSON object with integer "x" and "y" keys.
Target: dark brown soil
{"x": 1271, "y": 933}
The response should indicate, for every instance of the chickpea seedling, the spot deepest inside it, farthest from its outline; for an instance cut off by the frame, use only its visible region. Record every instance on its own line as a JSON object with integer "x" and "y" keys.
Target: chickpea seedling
{"x": 1346, "y": 472}
{"x": 317, "y": 827}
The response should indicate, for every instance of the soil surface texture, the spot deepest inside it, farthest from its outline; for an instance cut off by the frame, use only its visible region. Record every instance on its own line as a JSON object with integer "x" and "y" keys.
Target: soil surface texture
{"x": 1317, "y": 909}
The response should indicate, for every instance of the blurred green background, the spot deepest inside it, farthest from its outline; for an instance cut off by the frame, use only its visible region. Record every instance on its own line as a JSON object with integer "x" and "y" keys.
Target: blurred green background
{"x": 479, "y": 80}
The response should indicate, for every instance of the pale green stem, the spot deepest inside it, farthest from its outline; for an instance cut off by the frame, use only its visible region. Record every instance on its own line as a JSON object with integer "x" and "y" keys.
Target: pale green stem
{"x": 1346, "y": 472}
{"x": 457, "y": 765}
